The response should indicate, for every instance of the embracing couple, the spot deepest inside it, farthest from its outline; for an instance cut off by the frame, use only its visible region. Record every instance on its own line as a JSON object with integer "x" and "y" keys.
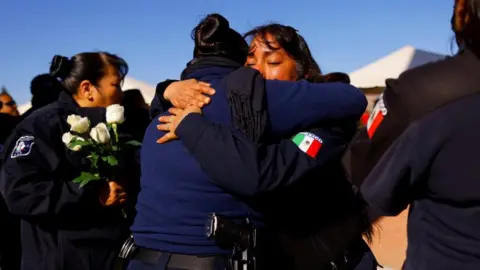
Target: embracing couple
{"x": 241, "y": 162}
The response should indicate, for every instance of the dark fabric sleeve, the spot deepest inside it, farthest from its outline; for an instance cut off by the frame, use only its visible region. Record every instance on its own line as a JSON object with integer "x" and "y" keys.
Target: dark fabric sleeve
{"x": 294, "y": 106}
{"x": 159, "y": 104}
{"x": 388, "y": 189}
{"x": 386, "y": 122}
{"x": 30, "y": 184}
{"x": 246, "y": 168}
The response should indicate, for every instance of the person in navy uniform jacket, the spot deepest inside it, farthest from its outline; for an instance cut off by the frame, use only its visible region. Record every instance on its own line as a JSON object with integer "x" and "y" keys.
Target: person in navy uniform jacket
{"x": 64, "y": 226}
{"x": 177, "y": 196}
{"x": 420, "y": 148}
{"x": 326, "y": 211}
{"x": 408, "y": 98}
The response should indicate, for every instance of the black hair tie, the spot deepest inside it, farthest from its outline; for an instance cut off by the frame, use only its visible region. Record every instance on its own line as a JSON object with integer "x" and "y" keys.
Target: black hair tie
{"x": 60, "y": 67}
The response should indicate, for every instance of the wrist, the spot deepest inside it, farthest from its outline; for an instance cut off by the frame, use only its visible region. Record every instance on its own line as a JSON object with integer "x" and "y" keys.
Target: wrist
{"x": 168, "y": 90}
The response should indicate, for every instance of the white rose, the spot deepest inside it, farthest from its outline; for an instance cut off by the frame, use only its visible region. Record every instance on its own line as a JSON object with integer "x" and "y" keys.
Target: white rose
{"x": 68, "y": 137}
{"x": 72, "y": 119}
{"x": 78, "y": 124}
{"x": 100, "y": 133}
{"x": 115, "y": 114}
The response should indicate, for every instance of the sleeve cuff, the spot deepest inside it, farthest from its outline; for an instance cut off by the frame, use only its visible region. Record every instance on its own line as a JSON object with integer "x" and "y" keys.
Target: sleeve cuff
{"x": 191, "y": 129}
{"x": 160, "y": 90}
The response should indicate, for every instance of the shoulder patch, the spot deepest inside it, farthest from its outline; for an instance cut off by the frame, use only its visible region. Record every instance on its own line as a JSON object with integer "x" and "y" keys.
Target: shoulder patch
{"x": 23, "y": 146}
{"x": 308, "y": 143}
{"x": 376, "y": 118}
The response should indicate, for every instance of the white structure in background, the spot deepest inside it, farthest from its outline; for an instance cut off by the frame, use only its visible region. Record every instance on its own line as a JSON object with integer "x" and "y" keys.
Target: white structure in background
{"x": 391, "y": 66}
{"x": 24, "y": 107}
{"x": 147, "y": 90}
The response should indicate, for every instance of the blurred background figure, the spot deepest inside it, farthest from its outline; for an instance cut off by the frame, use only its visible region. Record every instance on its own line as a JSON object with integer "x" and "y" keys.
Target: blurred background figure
{"x": 136, "y": 113}
{"x": 134, "y": 98}
{"x": 7, "y": 104}
{"x": 45, "y": 90}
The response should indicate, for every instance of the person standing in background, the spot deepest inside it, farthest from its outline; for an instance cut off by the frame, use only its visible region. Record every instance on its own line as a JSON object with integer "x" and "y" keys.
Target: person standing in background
{"x": 7, "y": 104}
{"x": 65, "y": 226}
{"x": 45, "y": 90}
{"x": 421, "y": 148}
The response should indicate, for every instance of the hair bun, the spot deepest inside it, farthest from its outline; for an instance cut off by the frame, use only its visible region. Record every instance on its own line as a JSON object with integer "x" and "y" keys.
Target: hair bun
{"x": 211, "y": 30}
{"x": 60, "y": 67}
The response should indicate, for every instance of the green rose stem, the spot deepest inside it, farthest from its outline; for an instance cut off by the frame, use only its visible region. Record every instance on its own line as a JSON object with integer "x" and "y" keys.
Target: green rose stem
{"x": 115, "y": 131}
{"x": 114, "y": 127}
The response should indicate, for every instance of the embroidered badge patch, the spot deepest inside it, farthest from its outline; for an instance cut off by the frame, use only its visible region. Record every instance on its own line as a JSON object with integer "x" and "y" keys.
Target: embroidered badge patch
{"x": 308, "y": 143}
{"x": 23, "y": 146}
{"x": 376, "y": 118}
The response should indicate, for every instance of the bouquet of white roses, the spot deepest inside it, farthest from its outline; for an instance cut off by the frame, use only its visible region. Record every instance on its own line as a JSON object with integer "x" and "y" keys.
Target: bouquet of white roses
{"x": 101, "y": 144}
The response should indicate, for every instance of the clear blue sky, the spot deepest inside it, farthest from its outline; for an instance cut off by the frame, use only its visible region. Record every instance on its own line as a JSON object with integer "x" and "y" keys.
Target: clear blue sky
{"x": 154, "y": 36}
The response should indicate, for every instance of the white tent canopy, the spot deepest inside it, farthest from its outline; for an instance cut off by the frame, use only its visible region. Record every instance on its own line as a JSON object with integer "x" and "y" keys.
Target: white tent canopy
{"x": 391, "y": 66}
{"x": 147, "y": 90}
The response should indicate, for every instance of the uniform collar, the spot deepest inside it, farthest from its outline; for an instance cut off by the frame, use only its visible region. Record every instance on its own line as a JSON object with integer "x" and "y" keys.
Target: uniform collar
{"x": 67, "y": 100}
{"x": 208, "y": 61}
{"x": 95, "y": 114}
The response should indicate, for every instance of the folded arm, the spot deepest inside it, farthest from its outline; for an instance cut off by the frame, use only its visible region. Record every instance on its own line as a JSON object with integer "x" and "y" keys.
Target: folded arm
{"x": 238, "y": 164}
{"x": 294, "y": 106}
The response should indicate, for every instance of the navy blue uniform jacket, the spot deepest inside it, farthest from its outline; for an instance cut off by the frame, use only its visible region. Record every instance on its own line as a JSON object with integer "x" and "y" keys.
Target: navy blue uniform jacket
{"x": 62, "y": 226}
{"x": 415, "y": 93}
{"x": 177, "y": 196}
{"x": 434, "y": 165}
{"x": 9, "y": 224}
{"x": 322, "y": 207}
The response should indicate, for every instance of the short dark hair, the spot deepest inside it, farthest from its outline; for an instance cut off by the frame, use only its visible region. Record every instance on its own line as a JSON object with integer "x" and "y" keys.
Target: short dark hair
{"x": 45, "y": 89}
{"x": 90, "y": 66}
{"x": 293, "y": 43}
{"x": 214, "y": 37}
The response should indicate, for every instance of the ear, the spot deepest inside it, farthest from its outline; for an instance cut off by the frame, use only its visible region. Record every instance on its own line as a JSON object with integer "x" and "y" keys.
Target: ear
{"x": 85, "y": 90}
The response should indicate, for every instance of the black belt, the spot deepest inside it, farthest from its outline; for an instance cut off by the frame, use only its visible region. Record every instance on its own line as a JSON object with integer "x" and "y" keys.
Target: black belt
{"x": 181, "y": 261}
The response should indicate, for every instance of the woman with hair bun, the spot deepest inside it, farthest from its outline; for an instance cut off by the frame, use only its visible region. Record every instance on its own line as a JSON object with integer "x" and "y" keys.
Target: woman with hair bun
{"x": 323, "y": 198}
{"x": 177, "y": 196}
{"x": 64, "y": 226}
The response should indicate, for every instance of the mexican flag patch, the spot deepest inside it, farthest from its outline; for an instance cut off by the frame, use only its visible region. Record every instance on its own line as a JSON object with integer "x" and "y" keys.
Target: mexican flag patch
{"x": 308, "y": 143}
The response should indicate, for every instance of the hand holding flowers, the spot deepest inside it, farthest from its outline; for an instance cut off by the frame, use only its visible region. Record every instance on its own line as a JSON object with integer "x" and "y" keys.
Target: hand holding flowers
{"x": 101, "y": 144}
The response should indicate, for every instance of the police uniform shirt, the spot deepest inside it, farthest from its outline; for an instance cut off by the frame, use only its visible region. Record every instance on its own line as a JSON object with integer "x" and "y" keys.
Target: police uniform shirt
{"x": 297, "y": 184}
{"x": 177, "y": 195}
{"x": 63, "y": 226}
{"x": 434, "y": 165}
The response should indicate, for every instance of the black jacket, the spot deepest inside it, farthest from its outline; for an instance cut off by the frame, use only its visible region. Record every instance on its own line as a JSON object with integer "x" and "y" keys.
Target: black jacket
{"x": 63, "y": 226}
{"x": 415, "y": 93}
